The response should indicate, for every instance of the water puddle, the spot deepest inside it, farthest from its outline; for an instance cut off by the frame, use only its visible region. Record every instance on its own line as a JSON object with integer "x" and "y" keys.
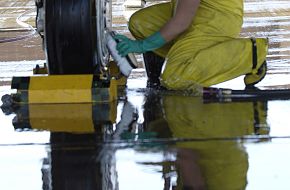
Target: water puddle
{"x": 148, "y": 140}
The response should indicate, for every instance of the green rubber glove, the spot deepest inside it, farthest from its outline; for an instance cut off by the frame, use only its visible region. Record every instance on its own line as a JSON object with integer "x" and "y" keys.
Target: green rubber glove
{"x": 126, "y": 45}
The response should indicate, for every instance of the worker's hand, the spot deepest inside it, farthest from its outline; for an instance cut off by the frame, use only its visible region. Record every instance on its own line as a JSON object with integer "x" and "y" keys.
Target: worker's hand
{"x": 126, "y": 45}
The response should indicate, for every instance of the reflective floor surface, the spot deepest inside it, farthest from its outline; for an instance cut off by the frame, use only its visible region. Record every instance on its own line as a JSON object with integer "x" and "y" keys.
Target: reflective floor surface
{"x": 145, "y": 139}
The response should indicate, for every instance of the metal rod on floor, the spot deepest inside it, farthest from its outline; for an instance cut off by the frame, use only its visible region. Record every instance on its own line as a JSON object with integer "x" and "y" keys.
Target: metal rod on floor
{"x": 247, "y": 94}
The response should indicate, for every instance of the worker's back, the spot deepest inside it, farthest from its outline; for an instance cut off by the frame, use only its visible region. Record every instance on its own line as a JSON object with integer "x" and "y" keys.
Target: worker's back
{"x": 217, "y": 17}
{"x": 225, "y": 6}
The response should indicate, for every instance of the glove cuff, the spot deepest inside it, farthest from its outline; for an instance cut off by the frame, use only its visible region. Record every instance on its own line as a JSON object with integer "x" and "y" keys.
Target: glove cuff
{"x": 153, "y": 42}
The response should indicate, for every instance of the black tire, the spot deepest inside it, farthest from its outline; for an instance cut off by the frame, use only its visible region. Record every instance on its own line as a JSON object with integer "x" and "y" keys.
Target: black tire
{"x": 70, "y": 37}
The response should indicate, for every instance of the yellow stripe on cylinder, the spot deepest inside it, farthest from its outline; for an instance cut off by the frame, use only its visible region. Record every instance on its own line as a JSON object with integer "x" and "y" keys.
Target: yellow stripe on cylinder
{"x": 60, "y": 89}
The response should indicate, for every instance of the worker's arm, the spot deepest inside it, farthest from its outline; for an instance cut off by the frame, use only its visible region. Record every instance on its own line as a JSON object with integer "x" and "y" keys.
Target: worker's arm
{"x": 185, "y": 12}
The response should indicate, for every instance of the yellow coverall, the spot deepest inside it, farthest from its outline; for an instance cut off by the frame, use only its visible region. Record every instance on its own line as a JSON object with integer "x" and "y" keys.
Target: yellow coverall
{"x": 209, "y": 51}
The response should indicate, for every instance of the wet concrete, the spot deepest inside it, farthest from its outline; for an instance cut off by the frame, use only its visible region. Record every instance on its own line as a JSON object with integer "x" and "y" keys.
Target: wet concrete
{"x": 148, "y": 140}
{"x": 17, "y": 20}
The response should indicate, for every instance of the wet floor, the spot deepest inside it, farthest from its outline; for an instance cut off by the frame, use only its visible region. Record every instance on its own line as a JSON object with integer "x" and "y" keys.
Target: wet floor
{"x": 147, "y": 140}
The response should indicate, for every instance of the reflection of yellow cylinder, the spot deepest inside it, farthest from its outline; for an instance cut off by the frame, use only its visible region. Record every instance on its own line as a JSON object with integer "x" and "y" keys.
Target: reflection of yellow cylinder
{"x": 75, "y": 118}
{"x": 223, "y": 163}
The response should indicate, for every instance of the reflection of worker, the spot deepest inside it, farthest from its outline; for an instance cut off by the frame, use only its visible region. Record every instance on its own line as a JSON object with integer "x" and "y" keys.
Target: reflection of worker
{"x": 209, "y": 163}
{"x": 199, "y": 40}
{"x": 223, "y": 164}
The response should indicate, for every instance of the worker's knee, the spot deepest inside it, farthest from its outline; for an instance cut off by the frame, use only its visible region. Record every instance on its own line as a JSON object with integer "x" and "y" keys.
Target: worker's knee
{"x": 134, "y": 19}
{"x": 136, "y": 25}
{"x": 141, "y": 24}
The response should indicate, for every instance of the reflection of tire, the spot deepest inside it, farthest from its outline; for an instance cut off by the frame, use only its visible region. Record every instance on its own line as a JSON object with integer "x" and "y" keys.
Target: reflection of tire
{"x": 70, "y": 37}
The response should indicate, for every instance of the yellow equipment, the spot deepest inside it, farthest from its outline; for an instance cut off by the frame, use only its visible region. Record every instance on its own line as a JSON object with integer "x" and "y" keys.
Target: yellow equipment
{"x": 64, "y": 89}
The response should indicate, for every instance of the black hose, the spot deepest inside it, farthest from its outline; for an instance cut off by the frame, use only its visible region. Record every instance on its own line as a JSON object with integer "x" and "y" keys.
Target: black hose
{"x": 6, "y": 40}
{"x": 210, "y": 94}
{"x": 255, "y": 94}
{"x": 26, "y": 26}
